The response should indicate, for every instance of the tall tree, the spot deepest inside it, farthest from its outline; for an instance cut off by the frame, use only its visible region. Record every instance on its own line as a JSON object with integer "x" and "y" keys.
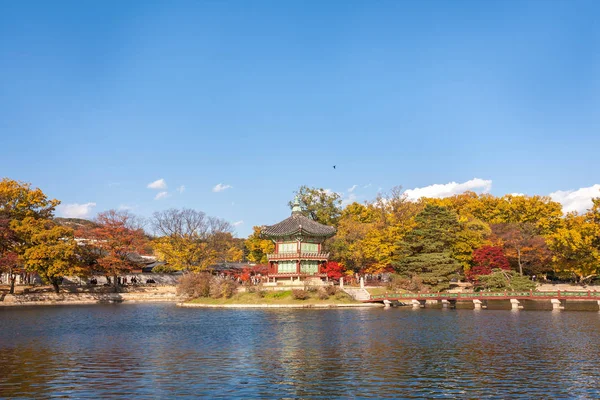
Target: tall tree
{"x": 524, "y": 247}
{"x": 320, "y": 205}
{"x": 18, "y": 200}
{"x": 575, "y": 247}
{"x": 426, "y": 251}
{"x": 191, "y": 240}
{"x": 118, "y": 236}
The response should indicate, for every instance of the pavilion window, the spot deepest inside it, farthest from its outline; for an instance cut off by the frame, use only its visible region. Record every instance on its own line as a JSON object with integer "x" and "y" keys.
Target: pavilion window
{"x": 286, "y": 267}
{"x": 290, "y": 247}
{"x": 309, "y": 247}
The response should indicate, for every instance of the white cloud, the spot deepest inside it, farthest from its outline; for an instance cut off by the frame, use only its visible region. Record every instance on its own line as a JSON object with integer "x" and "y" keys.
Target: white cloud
{"x": 450, "y": 189}
{"x": 349, "y": 200}
{"x": 125, "y": 207}
{"x": 181, "y": 189}
{"x": 161, "y": 195}
{"x": 367, "y": 186}
{"x": 238, "y": 223}
{"x": 517, "y": 194}
{"x": 578, "y": 200}
{"x": 75, "y": 210}
{"x": 220, "y": 187}
{"x": 352, "y": 188}
{"x": 158, "y": 184}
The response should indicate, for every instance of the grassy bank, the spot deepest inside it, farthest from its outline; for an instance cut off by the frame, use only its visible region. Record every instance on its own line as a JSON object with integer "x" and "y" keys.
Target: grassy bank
{"x": 276, "y": 297}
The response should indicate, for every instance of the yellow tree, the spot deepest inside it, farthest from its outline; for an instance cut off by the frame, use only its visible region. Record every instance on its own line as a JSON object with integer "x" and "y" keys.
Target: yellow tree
{"x": 190, "y": 240}
{"x": 575, "y": 246}
{"x": 18, "y": 200}
{"x": 51, "y": 250}
{"x": 257, "y": 247}
{"x": 472, "y": 235}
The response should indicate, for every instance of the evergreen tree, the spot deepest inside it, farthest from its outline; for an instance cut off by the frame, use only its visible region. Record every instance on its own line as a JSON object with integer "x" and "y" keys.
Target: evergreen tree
{"x": 426, "y": 251}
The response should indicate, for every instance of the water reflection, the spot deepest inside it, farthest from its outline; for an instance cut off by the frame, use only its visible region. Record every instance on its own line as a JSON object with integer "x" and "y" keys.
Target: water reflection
{"x": 161, "y": 351}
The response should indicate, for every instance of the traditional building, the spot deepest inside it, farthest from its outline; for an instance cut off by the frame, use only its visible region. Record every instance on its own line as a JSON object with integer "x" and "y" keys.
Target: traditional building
{"x": 298, "y": 246}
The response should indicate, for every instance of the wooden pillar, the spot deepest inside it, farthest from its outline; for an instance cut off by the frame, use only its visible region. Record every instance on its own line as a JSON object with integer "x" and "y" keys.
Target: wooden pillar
{"x": 298, "y": 267}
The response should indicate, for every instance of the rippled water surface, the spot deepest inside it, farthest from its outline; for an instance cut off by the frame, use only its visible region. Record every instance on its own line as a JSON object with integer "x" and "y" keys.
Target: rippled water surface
{"x": 159, "y": 351}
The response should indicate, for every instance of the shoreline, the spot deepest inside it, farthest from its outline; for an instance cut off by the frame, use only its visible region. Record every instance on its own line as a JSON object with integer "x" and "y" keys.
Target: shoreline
{"x": 53, "y": 299}
{"x": 264, "y": 305}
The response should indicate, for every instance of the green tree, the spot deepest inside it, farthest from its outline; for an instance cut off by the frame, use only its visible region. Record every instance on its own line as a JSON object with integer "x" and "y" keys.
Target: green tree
{"x": 501, "y": 279}
{"x": 426, "y": 251}
{"x": 320, "y": 205}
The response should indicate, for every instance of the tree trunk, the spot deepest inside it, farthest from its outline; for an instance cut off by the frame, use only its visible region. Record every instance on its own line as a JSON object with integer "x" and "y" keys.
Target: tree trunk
{"x": 55, "y": 285}
{"x": 116, "y": 283}
{"x": 12, "y": 278}
{"x": 519, "y": 261}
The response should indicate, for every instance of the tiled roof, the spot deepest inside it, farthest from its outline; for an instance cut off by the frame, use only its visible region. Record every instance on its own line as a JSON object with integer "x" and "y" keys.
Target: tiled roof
{"x": 295, "y": 224}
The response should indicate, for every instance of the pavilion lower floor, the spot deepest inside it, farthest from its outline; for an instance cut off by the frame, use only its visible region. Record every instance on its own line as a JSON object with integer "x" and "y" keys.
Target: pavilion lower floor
{"x": 296, "y": 269}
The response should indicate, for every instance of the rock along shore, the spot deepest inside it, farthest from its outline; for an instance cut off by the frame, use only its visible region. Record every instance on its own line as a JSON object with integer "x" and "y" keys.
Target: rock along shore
{"x": 51, "y": 299}
{"x": 351, "y": 305}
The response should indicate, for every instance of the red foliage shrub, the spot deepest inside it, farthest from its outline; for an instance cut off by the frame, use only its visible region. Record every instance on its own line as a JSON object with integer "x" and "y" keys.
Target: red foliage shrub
{"x": 334, "y": 270}
{"x": 485, "y": 259}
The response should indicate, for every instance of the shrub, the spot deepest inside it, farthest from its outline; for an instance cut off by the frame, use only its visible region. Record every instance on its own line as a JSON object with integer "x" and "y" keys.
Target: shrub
{"x": 163, "y": 269}
{"x": 300, "y": 294}
{"x": 222, "y": 287}
{"x": 277, "y": 294}
{"x": 311, "y": 288}
{"x": 322, "y": 294}
{"x": 332, "y": 290}
{"x": 194, "y": 285}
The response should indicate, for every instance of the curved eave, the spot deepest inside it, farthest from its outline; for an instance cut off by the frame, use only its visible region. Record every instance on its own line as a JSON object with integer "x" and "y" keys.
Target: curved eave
{"x": 300, "y": 232}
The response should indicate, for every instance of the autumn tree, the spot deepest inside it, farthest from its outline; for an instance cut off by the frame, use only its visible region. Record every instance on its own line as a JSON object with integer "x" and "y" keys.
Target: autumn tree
{"x": 320, "y": 205}
{"x": 18, "y": 201}
{"x": 426, "y": 251}
{"x": 51, "y": 250}
{"x": 257, "y": 247}
{"x": 118, "y": 237}
{"x": 190, "y": 240}
{"x": 334, "y": 270}
{"x": 486, "y": 259}
{"x": 524, "y": 247}
{"x": 575, "y": 247}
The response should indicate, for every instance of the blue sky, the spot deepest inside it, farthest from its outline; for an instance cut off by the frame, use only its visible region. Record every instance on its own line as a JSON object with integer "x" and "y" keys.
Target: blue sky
{"x": 99, "y": 99}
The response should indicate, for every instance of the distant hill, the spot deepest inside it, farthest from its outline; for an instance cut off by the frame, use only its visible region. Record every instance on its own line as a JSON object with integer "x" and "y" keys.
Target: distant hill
{"x": 75, "y": 223}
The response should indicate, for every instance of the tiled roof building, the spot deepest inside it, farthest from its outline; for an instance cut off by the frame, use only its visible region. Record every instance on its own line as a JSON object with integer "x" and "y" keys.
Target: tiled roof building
{"x": 298, "y": 246}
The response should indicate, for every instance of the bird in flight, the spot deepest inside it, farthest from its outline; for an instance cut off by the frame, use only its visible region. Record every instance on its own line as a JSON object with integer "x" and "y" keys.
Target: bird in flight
{"x": 334, "y": 167}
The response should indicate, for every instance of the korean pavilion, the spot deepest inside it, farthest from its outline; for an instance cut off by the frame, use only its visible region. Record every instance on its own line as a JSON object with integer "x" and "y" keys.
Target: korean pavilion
{"x": 298, "y": 247}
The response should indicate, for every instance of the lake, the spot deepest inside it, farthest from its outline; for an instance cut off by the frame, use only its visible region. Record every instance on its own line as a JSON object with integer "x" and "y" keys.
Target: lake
{"x": 159, "y": 351}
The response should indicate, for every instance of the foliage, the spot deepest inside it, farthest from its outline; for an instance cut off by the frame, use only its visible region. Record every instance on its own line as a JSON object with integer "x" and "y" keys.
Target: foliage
{"x": 118, "y": 236}
{"x": 472, "y": 235}
{"x": 163, "y": 269}
{"x": 222, "y": 288}
{"x": 525, "y": 249}
{"x": 257, "y": 247}
{"x": 190, "y": 240}
{"x": 501, "y": 279}
{"x": 426, "y": 251}
{"x": 319, "y": 205}
{"x": 414, "y": 284}
{"x": 194, "y": 285}
{"x": 486, "y": 259}
{"x": 51, "y": 251}
{"x": 334, "y": 270}
{"x": 300, "y": 294}
{"x": 576, "y": 247}
{"x": 18, "y": 201}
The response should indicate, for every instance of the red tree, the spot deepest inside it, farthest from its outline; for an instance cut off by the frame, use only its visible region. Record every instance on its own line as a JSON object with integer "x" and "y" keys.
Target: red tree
{"x": 119, "y": 237}
{"x": 334, "y": 270}
{"x": 486, "y": 259}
